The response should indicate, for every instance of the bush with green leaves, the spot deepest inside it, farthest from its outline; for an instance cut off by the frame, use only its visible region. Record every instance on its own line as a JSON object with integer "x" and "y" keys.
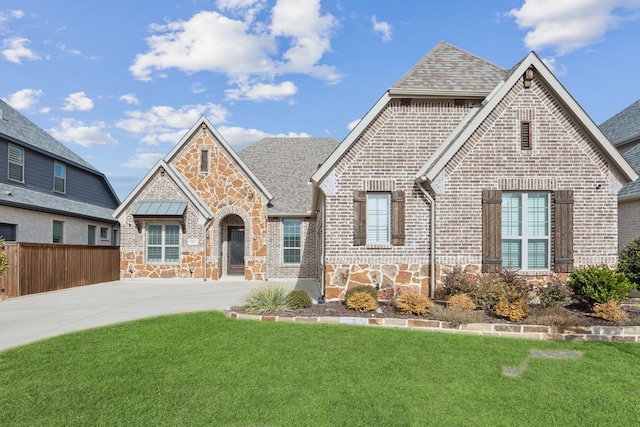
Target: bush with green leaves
{"x": 361, "y": 288}
{"x": 629, "y": 261}
{"x": 599, "y": 284}
{"x": 299, "y": 298}
{"x": 4, "y": 264}
{"x": 265, "y": 299}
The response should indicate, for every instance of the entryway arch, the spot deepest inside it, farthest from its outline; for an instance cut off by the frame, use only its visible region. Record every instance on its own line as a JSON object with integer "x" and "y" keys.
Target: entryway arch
{"x": 232, "y": 236}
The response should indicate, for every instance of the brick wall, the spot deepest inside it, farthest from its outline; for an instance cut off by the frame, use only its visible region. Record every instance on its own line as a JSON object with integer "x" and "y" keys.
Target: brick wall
{"x": 276, "y": 267}
{"x": 629, "y": 222}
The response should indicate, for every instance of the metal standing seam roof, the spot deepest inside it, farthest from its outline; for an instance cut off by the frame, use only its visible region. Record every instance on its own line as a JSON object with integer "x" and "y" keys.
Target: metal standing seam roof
{"x": 159, "y": 208}
{"x": 285, "y": 166}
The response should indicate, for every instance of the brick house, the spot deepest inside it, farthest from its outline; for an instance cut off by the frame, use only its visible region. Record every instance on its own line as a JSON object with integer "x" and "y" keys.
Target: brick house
{"x": 463, "y": 163}
{"x": 205, "y": 211}
{"x": 623, "y": 130}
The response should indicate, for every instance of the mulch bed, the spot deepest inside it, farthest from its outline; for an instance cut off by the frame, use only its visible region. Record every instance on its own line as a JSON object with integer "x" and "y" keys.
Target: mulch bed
{"x": 387, "y": 310}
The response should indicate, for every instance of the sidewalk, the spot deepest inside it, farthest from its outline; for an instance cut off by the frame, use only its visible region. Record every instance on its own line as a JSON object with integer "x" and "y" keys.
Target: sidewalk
{"x": 31, "y": 318}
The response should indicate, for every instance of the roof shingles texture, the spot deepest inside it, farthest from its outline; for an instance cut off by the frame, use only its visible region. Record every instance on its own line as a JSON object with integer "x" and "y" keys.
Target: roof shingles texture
{"x": 448, "y": 68}
{"x": 624, "y": 126}
{"x": 632, "y": 188}
{"x": 284, "y": 166}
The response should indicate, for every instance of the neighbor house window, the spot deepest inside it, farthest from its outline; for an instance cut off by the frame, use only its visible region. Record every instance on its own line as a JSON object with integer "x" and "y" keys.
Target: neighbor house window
{"x": 58, "y": 230}
{"x": 525, "y": 231}
{"x": 163, "y": 243}
{"x": 91, "y": 235}
{"x": 204, "y": 160}
{"x": 59, "y": 177}
{"x": 292, "y": 241}
{"x": 8, "y": 232}
{"x": 16, "y": 163}
{"x": 104, "y": 233}
{"x": 378, "y": 217}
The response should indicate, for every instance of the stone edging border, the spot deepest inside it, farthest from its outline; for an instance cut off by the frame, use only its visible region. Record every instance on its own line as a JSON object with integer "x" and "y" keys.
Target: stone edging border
{"x": 536, "y": 332}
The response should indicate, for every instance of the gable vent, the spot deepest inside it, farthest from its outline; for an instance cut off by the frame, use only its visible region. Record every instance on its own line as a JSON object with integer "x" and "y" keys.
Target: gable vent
{"x": 405, "y": 101}
{"x": 525, "y": 135}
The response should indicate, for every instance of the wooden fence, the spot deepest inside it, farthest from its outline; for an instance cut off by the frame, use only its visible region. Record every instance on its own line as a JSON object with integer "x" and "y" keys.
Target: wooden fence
{"x": 41, "y": 267}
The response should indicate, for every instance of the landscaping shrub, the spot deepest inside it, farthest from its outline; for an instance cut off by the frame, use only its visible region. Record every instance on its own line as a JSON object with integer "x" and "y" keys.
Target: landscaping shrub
{"x": 4, "y": 265}
{"x": 629, "y": 261}
{"x": 298, "y": 298}
{"x": 454, "y": 317}
{"x": 610, "y": 311}
{"x": 267, "y": 298}
{"x": 361, "y": 301}
{"x": 413, "y": 303}
{"x": 554, "y": 293}
{"x": 458, "y": 282}
{"x": 486, "y": 289}
{"x": 361, "y": 288}
{"x": 599, "y": 284}
{"x": 555, "y": 316}
{"x": 511, "y": 285}
{"x": 512, "y": 310}
{"x": 461, "y": 302}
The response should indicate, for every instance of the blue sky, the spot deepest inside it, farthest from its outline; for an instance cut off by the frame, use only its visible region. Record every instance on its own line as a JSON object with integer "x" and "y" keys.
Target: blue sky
{"x": 120, "y": 82}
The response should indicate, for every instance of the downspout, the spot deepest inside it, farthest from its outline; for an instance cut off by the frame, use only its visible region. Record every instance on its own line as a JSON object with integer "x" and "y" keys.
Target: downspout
{"x": 432, "y": 238}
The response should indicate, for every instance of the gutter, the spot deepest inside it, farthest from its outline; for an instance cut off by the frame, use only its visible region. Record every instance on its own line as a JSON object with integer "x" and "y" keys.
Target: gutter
{"x": 432, "y": 238}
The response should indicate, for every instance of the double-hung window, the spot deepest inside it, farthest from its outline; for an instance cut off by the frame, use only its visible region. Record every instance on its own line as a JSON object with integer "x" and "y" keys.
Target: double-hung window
{"x": 16, "y": 163}
{"x": 378, "y": 217}
{"x": 163, "y": 243}
{"x": 292, "y": 240}
{"x": 59, "y": 177}
{"x": 525, "y": 231}
{"x": 58, "y": 232}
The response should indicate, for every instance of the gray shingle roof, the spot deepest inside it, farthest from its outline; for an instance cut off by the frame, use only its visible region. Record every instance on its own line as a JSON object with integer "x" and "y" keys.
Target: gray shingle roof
{"x": 285, "y": 165}
{"x": 447, "y": 68}
{"x": 17, "y": 127}
{"x": 624, "y": 126}
{"x": 21, "y": 197}
{"x": 632, "y": 188}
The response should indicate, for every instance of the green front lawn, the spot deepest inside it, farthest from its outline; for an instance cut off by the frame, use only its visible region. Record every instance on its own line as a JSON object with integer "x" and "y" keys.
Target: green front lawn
{"x": 204, "y": 369}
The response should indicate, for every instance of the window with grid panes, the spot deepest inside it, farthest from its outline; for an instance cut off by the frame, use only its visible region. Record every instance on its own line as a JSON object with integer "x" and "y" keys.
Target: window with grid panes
{"x": 525, "y": 231}
{"x": 292, "y": 240}
{"x": 163, "y": 243}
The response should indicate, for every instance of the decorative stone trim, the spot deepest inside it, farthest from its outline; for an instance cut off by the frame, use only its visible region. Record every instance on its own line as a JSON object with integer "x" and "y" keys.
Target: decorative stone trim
{"x": 534, "y": 332}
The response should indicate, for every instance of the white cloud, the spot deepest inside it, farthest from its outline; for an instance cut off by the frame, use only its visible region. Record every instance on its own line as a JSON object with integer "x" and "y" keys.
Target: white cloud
{"x": 262, "y": 91}
{"x": 239, "y": 138}
{"x": 143, "y": 160}
{"x": 381, "y": 27}
{"x": 14, "y": 50}
{"x": 63, "y": 47}
{"x": 567, "y": 25}
{"x": 247, "y": 52}
{"x": 166, "y": 124}
{"x": 74, "y": 131}
{"x": 197, "y": 88}
{"x": 7, "y": 16}
{"x": 78, "y": 101}
{"x": 129, "y": 98}
{"x": 353, "y": 124}
{"x": 24, "y": 99}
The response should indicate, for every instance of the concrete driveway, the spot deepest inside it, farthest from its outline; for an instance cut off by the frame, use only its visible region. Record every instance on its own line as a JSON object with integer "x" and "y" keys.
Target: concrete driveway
{"x": 31, "y": 318}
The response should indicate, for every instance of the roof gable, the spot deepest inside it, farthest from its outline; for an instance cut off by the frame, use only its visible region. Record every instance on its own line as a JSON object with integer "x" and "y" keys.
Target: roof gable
{"x": 449, "y": 70}
{"x": 431, "y": 170}
{"x": 285, "y": 166}
{"x": 624, "y": 126}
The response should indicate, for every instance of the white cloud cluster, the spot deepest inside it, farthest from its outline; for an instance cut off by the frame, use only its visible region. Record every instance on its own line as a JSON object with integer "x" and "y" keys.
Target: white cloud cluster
{"x": 567, "y": 25}
{"x": 78, "y": 101}
{"x": 246, "y": 50}
{"x": 239, "y": 138}
{"x": 24, "y": 99}
{"x": 129, "y": 98}
{"x": 381, "y": 27}
{"x": 143, "y": 161}
{"x": 14, "y": 49}
{"x": 86, "y": 135}
{"x": 167, "y": 124}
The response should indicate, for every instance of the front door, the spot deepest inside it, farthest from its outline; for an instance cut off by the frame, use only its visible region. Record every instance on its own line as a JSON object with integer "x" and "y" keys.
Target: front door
{"x": 235, "y": 257}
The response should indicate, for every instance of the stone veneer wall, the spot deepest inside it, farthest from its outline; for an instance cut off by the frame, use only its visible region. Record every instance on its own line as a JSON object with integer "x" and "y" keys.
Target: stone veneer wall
{"x": 275, "y": 252}
{"x": 629, "y": 222}
{"x": 227, "y": 190}
{"x": 132, "y": 242}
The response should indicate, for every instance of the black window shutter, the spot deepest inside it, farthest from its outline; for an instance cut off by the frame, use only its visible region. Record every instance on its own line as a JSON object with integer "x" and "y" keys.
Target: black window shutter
{"x": 397, "y": 218}
{"x": 491, "y": 231}
{"x": 359, "y": 218}
{"x": 563, "y": 235}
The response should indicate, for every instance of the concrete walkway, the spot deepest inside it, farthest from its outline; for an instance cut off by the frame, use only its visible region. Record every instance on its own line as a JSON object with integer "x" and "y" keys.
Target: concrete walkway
{"x": 31, "y": 318}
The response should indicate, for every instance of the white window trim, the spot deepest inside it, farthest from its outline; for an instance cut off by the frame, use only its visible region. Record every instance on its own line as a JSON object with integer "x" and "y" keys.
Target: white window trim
{"x": 163, "y": 244}
{"x": 524, "y": 237}
{"x": 9, "y": 162}
{"x": 299, "y": 248}
{"x": 63, "y": 177}
{"x": 378, "y": 242}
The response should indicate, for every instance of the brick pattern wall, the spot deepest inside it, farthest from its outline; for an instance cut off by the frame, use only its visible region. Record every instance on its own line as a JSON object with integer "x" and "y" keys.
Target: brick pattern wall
{"x": 629, "y": 222}
{"x": 276, "y": 267}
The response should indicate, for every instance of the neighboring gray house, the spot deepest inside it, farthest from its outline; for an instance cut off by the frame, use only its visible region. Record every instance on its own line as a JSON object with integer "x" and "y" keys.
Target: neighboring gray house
{"x": 623, "y": 130}
{"x": 49, "y": 194}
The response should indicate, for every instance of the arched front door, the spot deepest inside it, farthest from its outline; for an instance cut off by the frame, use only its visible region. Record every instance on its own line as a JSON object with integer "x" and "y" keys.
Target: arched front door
{"x": 235, "y": 250}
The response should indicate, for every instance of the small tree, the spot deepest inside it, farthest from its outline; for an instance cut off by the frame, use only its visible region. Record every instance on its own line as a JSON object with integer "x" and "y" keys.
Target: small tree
{"x": 4, "y": 264}
{"x": 629, "y": 261}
